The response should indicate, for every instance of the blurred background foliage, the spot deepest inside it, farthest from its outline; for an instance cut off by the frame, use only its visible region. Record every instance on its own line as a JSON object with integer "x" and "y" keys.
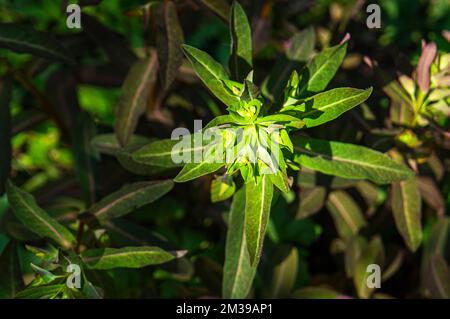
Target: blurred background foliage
{"x": 302, "y": 238}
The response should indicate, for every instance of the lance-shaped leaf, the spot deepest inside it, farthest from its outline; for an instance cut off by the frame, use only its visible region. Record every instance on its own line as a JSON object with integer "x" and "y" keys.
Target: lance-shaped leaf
{"x": 314, "y": 78}
{"x": 311, "y": 200}
{"x": 285, "y": 275}
{"x": 257, "y": 209}
{"x": 219, "y": 7}
{"x": 407, "y": 210}
{"x": 439, "y": 277}
{"x": 132, "y": 102}
{"x": 423, "y": 68}
{"x": 42, "y": 292}
{"x": 436, "y": 245}
{"x": 372, "y": 255}
{"x": 172, "y": 153}
{"x": 238, "y": 273}
{"x": 192, "y": 171}
{"x": 5, "y": 132}
{"x": 348, "y": 160}
{"x": 35, "y": 218}
{"x": 127, "y": 257}
{"x": 346, "y": 214}
{"x": 431, "y": 194}
{"x": 354, "y": 247}
{"x": 129, "y": 198}
{"x": 241, "y": 43}
{"x": 222, "y": 188}
{"x": 23, "y": 39}
{"x": 301, "y": 48}
{"x": 327, "y": 106}
{"x": 10, "y": 274}
{"x": 211, "y": 73}
{"x": 169, "y": 38}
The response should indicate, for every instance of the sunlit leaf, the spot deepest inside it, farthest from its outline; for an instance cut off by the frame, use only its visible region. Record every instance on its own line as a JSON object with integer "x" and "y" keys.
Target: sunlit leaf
{"x": 222, "y": 188}
{"x": 327, "y": 106}
{"x": 241, "y": 43}
{"x": 348, "y": 160}
{"x": 237, "y": 271}
{"x": 127, "y": 257}
{"x": 315, "y": 77}
{"x": 211, "y": 73}
{"x": 257, "y": 209}
{"x": 191, "y": 171}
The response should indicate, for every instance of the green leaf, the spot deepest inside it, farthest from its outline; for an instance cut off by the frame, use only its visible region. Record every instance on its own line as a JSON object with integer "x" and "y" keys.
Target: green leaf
{"x": 241, "y": 43}
{"x": 327, "y": 106}
{"x": 192, "y": 171}
{"x": 132, "y": 102}
{"x": 127, "y": 257}
{"x": 281, "y": 181}
{"x": 129, "y": 198}
{"x": 314, "y": 78}
{"x": 219, "y": 7}
{"x": 23, "y": 39}
{"x": 169, "y": 38}
{"x": 238, "y": 273}
{"x": 41, "y": 292}
{"x": 346, "y": 214}
{"x": 354, "y": 248}
{"x": 257, "y": 209}
{"x": 163, "y": 152}
{"x": 285, "y": 275}
{"x": 35, "y": 218}
{"x": 302, "y": 45}
{"x": 222, "y": 188}
{"x": 286, "y": 119}
{"x": 10, "y": 274}
{"x": 348, "y": 160}
{"x": 211, "y": 73}
{"x": 219, "y": 120}
{"x": 373, "y": 254}
{"x": 406, "y": 207}
{"x": 5, "y": 132}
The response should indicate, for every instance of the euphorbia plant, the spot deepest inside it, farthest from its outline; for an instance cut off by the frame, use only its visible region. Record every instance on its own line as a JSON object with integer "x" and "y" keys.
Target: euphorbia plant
{"x": 258, "y": 139}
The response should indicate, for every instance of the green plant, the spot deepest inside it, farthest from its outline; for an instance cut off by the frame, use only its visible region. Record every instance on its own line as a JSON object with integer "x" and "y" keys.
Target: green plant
{"x": 301, "y": 104}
